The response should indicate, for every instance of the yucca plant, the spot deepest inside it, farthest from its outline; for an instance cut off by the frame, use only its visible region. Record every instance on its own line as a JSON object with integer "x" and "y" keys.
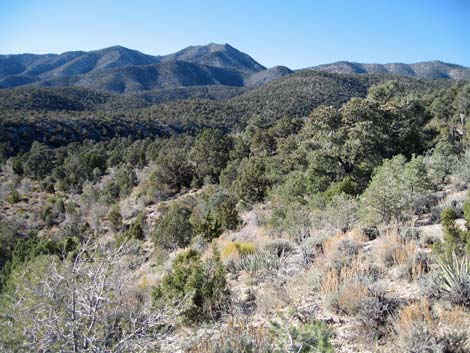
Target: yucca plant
{"x": 455, "y": 276}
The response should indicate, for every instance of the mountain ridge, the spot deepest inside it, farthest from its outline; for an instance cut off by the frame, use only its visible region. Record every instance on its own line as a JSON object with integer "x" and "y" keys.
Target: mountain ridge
{"x": 120, "y": 69}
{"x": 425, "y": 69}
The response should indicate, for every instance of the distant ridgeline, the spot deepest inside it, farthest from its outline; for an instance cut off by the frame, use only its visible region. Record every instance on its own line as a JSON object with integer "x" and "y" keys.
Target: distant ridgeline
{"x": 117, "y": 92}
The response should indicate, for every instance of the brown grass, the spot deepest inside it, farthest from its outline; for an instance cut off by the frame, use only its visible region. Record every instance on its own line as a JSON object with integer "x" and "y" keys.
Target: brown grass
{"x": 346, "y": 290}
{"x": 419, "y": 324}
{"x": 236, "y": 336}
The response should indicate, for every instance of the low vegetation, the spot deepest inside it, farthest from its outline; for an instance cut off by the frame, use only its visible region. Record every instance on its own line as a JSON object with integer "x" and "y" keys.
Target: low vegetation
{"x": 317, "y": 213}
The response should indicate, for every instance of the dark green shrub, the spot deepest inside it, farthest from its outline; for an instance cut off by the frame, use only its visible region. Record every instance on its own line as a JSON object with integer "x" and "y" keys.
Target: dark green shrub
{"x": 14, "y": 196}
{"x": 251, "y": 184}
{"x": 174, "y": 228}
{"x": 215, "y": 211}
{"x": 135, "y": 231}
{"x": 197, "y": 288}
{"x": 115, "y": 217}
{"x": 210, "y": 155}
{"x": 456, "y": 240}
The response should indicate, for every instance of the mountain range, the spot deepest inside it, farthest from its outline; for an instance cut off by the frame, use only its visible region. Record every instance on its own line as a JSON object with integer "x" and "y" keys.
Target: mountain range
{"x": 118, "y": 69}
{"x": 428, "y": 69}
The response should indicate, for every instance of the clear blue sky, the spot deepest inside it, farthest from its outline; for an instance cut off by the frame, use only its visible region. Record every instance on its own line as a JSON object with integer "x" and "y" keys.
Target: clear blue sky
{"x": 296, "y": 33}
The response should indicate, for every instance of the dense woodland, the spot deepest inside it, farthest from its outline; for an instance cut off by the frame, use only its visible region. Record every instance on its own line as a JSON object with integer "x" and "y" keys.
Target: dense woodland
{"x": 281, "y": 218}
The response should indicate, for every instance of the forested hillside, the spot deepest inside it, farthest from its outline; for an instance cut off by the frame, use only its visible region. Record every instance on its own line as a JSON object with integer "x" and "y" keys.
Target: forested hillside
{"x": 317, "y": 212}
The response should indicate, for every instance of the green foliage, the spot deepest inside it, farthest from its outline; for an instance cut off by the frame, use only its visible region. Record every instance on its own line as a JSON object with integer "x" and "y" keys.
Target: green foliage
{"x": 13, "y": 196}
{"x": 345, "y": 186}
{"x": 174, "y": 229}
{"x": 210, "y": 155}
{"x": 463, "y": 167}
{"x": 353, "y": 140}
{"x": 135, "y": 231}
{"x": 121, "y": 185}
{"x": 39, "y": 161}
{"x": 263, "y": 143}
{"x": 395, "y": 187}
{"x": 23, "y": 250}
{"x": 215, "y": 211}
{"x": 455, "y": 279}
{"x": 115, "y": 217}
{"x": 198, "y": 288}
{"x": 442, "y": 162}
{"x": 303, "y": 338}
{"x": 456, "y": 240}
{"x": 173, "y": 170}
{"x": 8, "y": 239}
{"x": 206, "y": 225}
{"x": 251, "y": 184}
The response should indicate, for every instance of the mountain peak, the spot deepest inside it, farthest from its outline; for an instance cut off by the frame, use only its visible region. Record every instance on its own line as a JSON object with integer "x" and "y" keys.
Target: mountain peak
{"x": 217, "y": 55}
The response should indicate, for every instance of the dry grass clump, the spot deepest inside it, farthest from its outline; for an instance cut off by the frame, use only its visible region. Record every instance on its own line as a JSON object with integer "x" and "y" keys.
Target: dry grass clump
{"x": 345, "y": 290}
{"x": 421, "y": 328}
{"x": 341, "y": 249}
{"x": 331, "y": 245}
{"x": 393, "y": 251}
{"x": 236, "y": 337}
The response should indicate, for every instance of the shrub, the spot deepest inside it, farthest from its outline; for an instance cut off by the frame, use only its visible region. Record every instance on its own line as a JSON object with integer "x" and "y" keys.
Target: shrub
{"x": 210, "y": 155}
{"x": 135, "y": 231}
{"x": 237, "y": 337}
{"x": 198, "y": 289}
{"x": 374, "y": 312}
{"x": 346, "y": 290}
{"x": 463, "y": 169}
{"x": 419, "y": 329}
{"x": 205, "y": 225}
{"x": 260, "y": 263}
{"x": 251, "y": 184}
{"x": 237, "y": 249}
{"x": 302, "y": 338}
{"x": 280, "y": 247}
{"x": 174, "y": 229}
{"x": 115, "y": 217}
{"x": 14, "y": 196}
{"x": 455, "y": 240}
{"x": 214, "y": 212}
{"x": 442, "y": 162}
{"x": 395, "y": 187}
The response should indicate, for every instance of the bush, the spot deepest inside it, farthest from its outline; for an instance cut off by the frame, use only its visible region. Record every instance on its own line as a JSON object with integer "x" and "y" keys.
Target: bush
{"x": 210, "y": 155}
{"x": 237, "y": 337}
{"x": 456, "y": 240}
{"x": 197, "y": 288}
{"x": 395, "y": 187}
{"x": 303, "y": 338}
{"x": 214, "y": 212}
{"x": 174, "y": 229}
{"x": 374, "y": 312}
{"x": 237, "y": 249}
{"x": 463, "y": 169}
{"x": 115, "y": 217}
{"x": 251, "y": 184}
{"x": 135, "y": 231}
{"x": 14, "y": 196}
{"x": 419, "y": 329}
{"x": 442, "y": 162}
